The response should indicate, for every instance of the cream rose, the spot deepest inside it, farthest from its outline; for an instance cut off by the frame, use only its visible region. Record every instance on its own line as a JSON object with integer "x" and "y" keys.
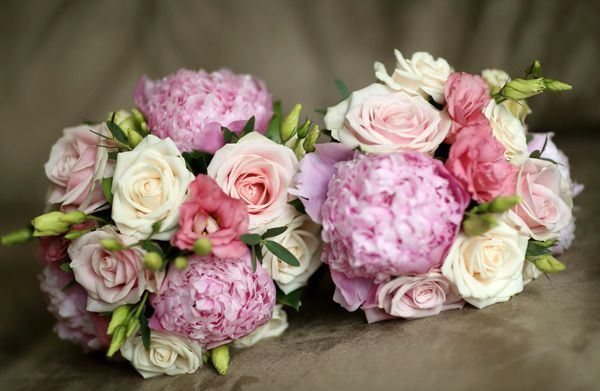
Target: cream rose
{"x": 111, "y": 278}
{"x": 488, "y": 268}
{"x": 422, "y": 74}
{"x": 546, "y": 206}
{"x": 168, "y": 355}
{"x": 302, "y": 238}
{"x": 258, "y": 171}
{"x": 273, "y": 328}
{"x": 530, "y": 272}
{"x": 149, "y": 185}
{"x": 381, "y": 120}
{"x": 496, "y": 79}
{"x": 509, "y": 130}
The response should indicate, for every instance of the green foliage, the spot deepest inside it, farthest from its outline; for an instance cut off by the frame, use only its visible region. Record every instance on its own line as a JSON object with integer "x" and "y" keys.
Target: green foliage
{"x": 292, "y": 299}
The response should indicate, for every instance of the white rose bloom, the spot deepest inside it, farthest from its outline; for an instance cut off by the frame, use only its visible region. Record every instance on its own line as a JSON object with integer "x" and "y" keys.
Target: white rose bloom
{"x": 273, "y": 328}
{"x": 488, "y": 268}
{"x": 496, "y": 79}
{"x": 530, "y": 272}
{"x": 168, "y": 355}
{"x": 149, "y": 185}
{"x": 422, "y": 74}
{"x": 508, "y": 130}
{"x": 302, "y": 238}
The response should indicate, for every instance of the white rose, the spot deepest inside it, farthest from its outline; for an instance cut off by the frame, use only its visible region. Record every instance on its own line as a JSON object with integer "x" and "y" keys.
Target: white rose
{"x": 149, "y": 185}
{"x": 488, "y": 268}
{"x": 301, "y": 238}
{"x": 496, "y": 79}
{"x": 258, "y": 171}
{"x": 168, "y": 355}
{"x": 422, "y": 74}
{"x": 530, "y": 272}
{"x": 509, "y": 130}
{"x": 381, "y": 120}
{"x": 273, "y": 328}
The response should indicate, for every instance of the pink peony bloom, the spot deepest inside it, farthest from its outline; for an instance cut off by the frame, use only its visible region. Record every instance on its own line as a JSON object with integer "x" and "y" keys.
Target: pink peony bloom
{"x": 76, "y": 167}
{"x": 477, "y": 161}
{"x": 54, "y": 248}
{"x": 412, "y": 297}
{"x": 74, "y": 323}
{"x": 214, "y": 301}
{"x": 351, "y": 293}
{"x": 210, "y": 213}
{"x": 389, "y": 215}
{"x": 111, "y": 278}
{"x": 191, "y": 107}
{"x": 466, "y": 96}
{"x": 316, "y": 169}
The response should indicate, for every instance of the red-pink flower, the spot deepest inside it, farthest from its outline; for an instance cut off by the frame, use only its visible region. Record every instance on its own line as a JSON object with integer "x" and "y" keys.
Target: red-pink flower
{"x": 212, "y": 214}
{"x": 54, "y": 248}
{"x": 477, "y": 161}
{"x": 466, "y": 96}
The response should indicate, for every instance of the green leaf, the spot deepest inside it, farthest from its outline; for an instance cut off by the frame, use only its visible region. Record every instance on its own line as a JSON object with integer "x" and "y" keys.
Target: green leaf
{"x": 197, "y": 161}
{"x": 271, "y": 232}
{"x": 342, "y": 89}
{"x": 248, "y": 128}
{"x": 113, "y": 155}
{"x": 297, "y": 203}
{"x": 151, "y": 247}
{"x": 66, "y": 267}
{"x": 145, "y": 331}
{"x": 107, "y": 189}
{"x": 229, "y": 136}
{"x": 69, "y": 285}
{"x": 282, "y": 253}
{"x": 321, "y": 111}
{"x": 478, "y": 224}
{"x": 251, "y": 239}
{"x": 534, "y": 70}
{"x": 156, "y": 226}
{"x": 536, "y": 248}
{"x": 292, "y": 299}
{"x": 116, "y": 131}
{"x": 535, "y": 154}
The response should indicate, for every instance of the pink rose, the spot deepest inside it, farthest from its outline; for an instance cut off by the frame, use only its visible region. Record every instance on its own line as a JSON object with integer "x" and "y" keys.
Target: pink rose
{"x": 111, "y": 278}
{"x": 259, "y": 172}
{"x": 477, "y": 161}
{"x": 547, "y": 202}
{"x": 212, "y": 214}
{"x": 380, "y": 120}
{"x": 466, "y": 96}
{"x": 412, "y": 297}
{"x": 54, "y": 248}
{"x": 76, "y": 167}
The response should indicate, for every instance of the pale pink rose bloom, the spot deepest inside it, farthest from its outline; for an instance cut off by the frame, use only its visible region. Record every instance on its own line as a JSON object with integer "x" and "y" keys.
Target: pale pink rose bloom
{"x": 73, "y": 322}
{"x": 412, "y": 297}
{"x": 76, "y": 167}
{"x": 380, "y": 120}
{"x": 546, "y": 206}
{"x": 111, "y": 278}
{"x": 258, "y": 171}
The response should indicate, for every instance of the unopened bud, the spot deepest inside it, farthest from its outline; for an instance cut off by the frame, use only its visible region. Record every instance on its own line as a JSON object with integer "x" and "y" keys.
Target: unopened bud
{"x": 289, "y": 124}
{"x": 118, "y": 317}
{"x": 534, "y": 70}
{"x": 111, "y": 244}
{"x": 502, "y": 204}
{"x": 556, "y": 86}
{"x": 311, "y": 140}
{"x": 153, "y": 261}
{"x": 181, "y": 262}
{"x": 56, "y": 223}
{"x": 478, "y": 224}
{"x": 202, "y": 247}
{"x": 518, "y": 89}
{"x": 17, "y": 237}
{"x": 220, "y": 358}
{"x": 303, "y": 130}
{"x": 118, "y": 338}
{"x": 547, "y": 263}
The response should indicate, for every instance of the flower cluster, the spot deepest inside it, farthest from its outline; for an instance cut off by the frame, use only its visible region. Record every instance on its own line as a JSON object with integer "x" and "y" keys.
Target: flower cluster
{"x": 170, "y": 231}
{"x": 433, "y": 193}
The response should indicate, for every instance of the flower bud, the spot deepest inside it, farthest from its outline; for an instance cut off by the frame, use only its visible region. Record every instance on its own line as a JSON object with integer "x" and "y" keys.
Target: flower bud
{"x": 181, "y": 262}
{"x": 289, "y": 124}
{"x": 311, "y": 140}
{"x": 220, "y": 358}
{"x": 202, "y": 247}
{"x": 131, "y": 124}
{"x": 547, "y": 263}
{"x": 478, "y": 224}
{"x": 56, "y": 223}
{"x": 111, "y": 244}
{"x": 534, "y": 70}
{"x": 303, "y": 130}
{"x": 118, "y": 317}
{"x": 556, "y": 86}
{"x": 17, "y": 237}
{"x": 502, "y": 204}
{"x": 118, "y": 338}
{"x": 153, "y": 261}
{"x": 518, "y": 89}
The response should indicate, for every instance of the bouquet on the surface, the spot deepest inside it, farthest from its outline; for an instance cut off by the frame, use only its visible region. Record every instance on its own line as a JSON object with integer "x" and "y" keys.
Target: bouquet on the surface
{"x": 170, "y": 234}
{"x": 434, "y": 193}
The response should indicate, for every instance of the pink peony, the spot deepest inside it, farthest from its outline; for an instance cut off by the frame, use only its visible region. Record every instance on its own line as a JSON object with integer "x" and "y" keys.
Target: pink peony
{"x": 316, "y": 169}
{"x": 466, "y": 96}
{"x": 54, "y": 248}
{"x": 191, "y": 107}
{"x": 477, "y": 161}
{"x": 74, "y": 323}
{"x": 210, "y": 213}
{"x": 388, "y": 215}
{"x": 412, "y": 297}
{"x": 76, "y": 167}
{"x": 214, "y": 301}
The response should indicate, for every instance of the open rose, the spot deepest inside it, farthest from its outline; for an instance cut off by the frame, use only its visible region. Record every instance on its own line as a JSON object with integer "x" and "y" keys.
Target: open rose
{"x": 111, "y": 278}
{"x": 381, "y": 120}
{"x": 421, "y": 74}
{"x": 149, "y": 185}
{"x": 412, "y": 297}
{"x": 488, "y": 268}
{"x": 258, "y": 171}
{"x": 546, "y": 203}
{"x": 509, "y": 130}
{"x": 76, "y": 167}
{"x": 212, "y": 214}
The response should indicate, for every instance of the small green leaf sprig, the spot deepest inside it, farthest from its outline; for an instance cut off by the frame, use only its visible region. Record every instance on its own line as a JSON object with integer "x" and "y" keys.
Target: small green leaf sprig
{"x": 540, "y": 254}
{"x": 483, "y": 217}
{"x": 300, "y": 138}
{"x": 125, "y": 321}
{"x": 256, "y": 241}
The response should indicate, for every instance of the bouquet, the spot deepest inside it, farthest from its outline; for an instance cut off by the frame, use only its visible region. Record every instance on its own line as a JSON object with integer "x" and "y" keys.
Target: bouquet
{"x": 170, "y": 233}
{"x": 434, "y": 192}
